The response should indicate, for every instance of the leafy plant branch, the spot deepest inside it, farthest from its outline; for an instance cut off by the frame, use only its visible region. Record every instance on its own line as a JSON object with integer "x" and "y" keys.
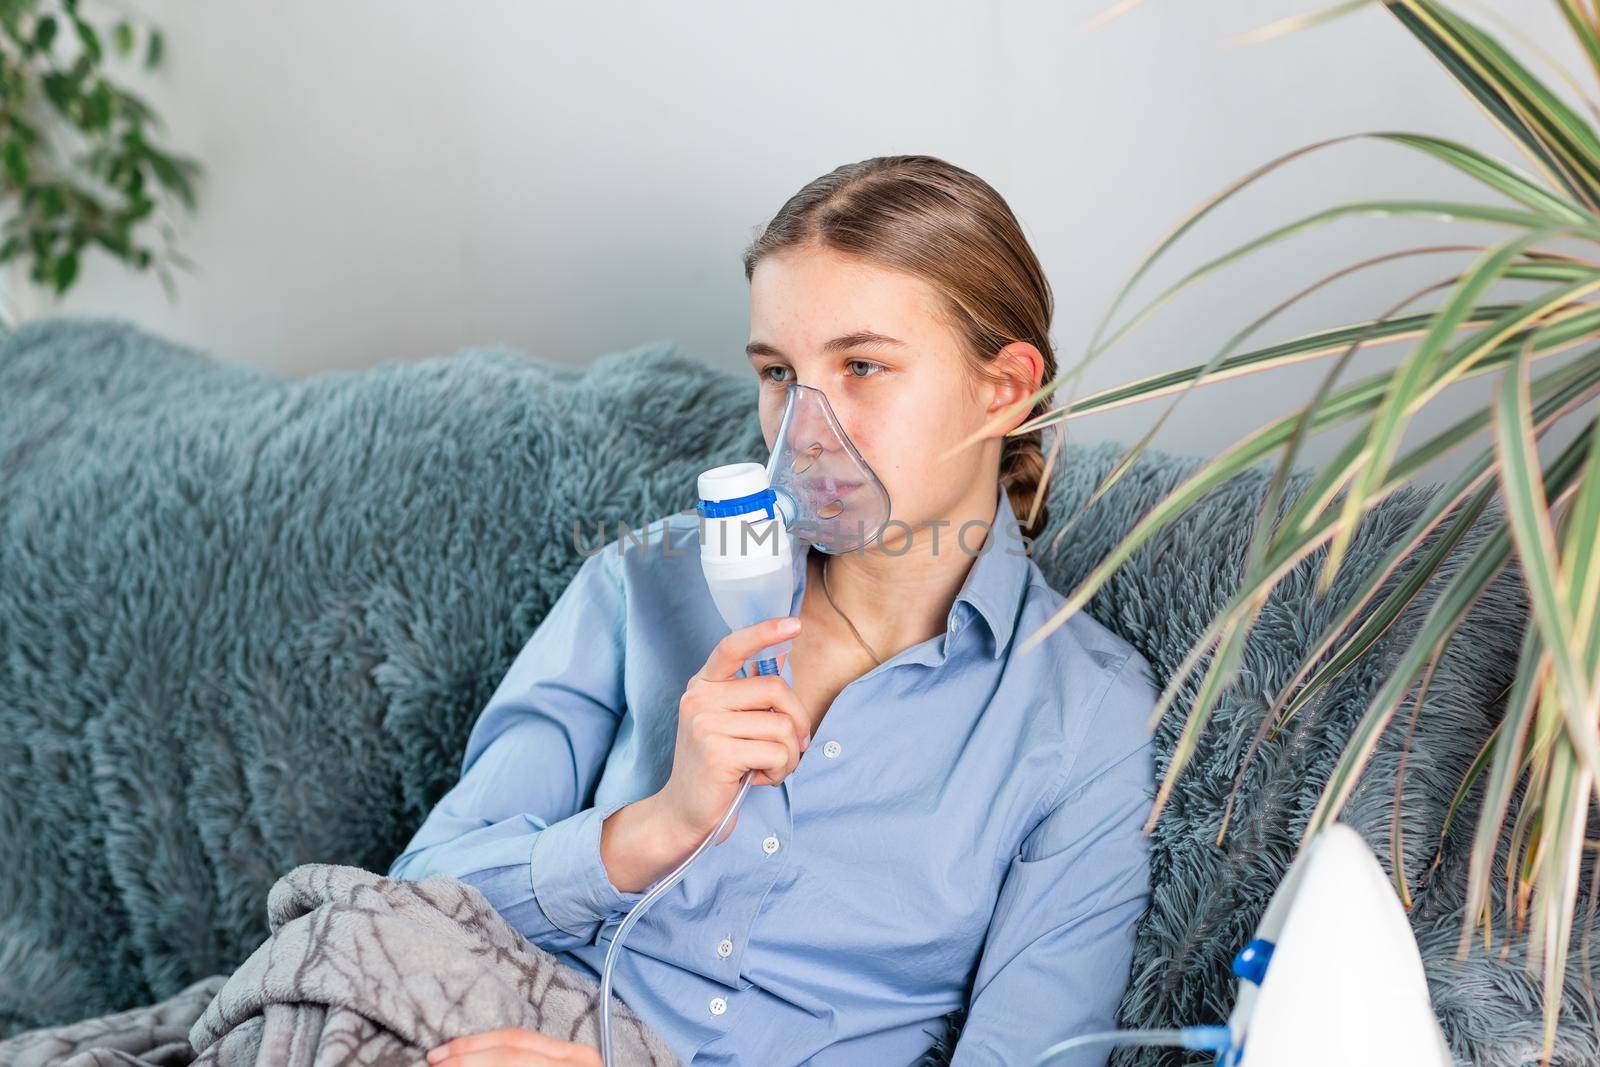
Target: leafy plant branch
{"x": 80, "y": 165}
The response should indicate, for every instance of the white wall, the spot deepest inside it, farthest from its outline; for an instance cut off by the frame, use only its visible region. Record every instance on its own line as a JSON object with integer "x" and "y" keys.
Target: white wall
{"x": 395, "y": 180}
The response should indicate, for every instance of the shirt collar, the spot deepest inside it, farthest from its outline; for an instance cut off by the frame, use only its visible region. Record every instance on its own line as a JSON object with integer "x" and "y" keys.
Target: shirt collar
{"x": 999, "y": 574}
{"x": 995, "y": 582}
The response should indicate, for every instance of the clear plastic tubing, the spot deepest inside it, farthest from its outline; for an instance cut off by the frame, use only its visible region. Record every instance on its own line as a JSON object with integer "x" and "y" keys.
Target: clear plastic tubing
{"x": 1207, "y": 1038}
{"x": 767, "y": 666}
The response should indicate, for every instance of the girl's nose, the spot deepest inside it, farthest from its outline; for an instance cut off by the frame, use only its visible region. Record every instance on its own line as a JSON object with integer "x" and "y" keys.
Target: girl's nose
{"x": 810, "y": 420}
{"x": 819, "y": 420}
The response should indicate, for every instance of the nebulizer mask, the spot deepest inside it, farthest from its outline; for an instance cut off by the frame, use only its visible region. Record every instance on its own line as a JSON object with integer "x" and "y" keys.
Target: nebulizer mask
{"x": 815, "y": 488}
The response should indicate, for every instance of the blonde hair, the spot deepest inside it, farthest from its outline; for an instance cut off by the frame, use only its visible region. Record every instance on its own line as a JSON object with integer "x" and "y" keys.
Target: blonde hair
{"x": 932, "y": 219}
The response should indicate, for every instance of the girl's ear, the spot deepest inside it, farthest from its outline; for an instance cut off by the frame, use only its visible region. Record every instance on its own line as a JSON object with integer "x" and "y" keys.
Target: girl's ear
{"x": 1016, "y": 371}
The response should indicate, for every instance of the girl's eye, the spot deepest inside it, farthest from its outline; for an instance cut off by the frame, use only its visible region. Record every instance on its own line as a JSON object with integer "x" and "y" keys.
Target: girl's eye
{"x": 775, "y": 372}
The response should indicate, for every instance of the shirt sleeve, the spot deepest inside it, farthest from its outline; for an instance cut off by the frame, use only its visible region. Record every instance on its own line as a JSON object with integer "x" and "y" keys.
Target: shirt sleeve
{"x": 519, "y": 826}
{"x": 1059, "y": 950}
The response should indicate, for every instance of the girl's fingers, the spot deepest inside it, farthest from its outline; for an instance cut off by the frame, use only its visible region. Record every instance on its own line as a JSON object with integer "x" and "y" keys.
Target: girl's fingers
{"x": 502, "y": 1056}
{"x": 733, "y": 651}
{"x": 742, "y": 726}
{"x": 509, "y": 1037}
{"x": 741, "y": 695}
{"x": 762, "y": 757}
{"x": 758, "y": 726}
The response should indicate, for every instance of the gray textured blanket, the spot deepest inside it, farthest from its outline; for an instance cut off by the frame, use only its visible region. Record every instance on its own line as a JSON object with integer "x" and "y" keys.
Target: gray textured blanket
{"x": 358, "y": 969}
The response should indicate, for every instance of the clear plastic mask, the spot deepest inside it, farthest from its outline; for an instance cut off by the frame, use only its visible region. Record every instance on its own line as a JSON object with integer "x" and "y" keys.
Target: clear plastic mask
{"x": 827, "y": 494}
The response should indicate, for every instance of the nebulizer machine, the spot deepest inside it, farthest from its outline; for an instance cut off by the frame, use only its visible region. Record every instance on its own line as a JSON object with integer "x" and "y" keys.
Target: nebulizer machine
{"x": 1331, "y": 977}
{"x": 814, "y": 487}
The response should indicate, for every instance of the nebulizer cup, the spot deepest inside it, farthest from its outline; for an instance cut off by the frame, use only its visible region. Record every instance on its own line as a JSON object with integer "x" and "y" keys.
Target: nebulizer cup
{"x": 746, "y": 552}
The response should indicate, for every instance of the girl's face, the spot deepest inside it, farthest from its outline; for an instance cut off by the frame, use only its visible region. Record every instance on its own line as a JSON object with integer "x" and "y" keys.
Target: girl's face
{"x": 873, "y": 341}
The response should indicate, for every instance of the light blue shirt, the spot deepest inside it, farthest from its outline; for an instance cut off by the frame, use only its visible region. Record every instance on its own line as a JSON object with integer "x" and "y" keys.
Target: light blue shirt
{"x": 964, "y": 829}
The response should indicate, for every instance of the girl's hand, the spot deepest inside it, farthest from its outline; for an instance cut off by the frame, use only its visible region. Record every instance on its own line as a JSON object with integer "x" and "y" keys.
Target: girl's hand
{"x": 726, "y": 727}
{"x": 513, "y": 1048}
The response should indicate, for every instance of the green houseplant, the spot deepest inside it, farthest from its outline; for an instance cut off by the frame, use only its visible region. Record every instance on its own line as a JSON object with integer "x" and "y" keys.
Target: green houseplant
{"x": 79, "y": 164}
{"x": 1549, "y": 738}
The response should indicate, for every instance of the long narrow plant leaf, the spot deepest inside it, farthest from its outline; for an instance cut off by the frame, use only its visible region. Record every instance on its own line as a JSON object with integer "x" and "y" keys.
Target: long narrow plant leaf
{"x": 1567, "y": 387}
{"x": 1547, "y": 132}
{"x": 1529, "y": 523}
{"x": 1346, "y": 404}
{"x": 1420, "y": 371}
{"x": 1505, "y": 768}
{"x": 1457, "y": 597}
{"x": 1131, "y": 455}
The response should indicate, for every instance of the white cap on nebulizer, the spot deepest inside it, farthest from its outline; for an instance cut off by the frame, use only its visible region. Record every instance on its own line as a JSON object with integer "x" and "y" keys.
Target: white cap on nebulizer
{"x": 742, "y": 531}
{"x": 731, "y": 481}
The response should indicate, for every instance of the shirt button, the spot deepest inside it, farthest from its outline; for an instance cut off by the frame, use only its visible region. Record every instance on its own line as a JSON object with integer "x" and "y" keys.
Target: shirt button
{"x": 770, "y": 845}
{"x": 718, "y": 1005}
{"x": 724, "y": 948}
{"x": 831, "y": 749}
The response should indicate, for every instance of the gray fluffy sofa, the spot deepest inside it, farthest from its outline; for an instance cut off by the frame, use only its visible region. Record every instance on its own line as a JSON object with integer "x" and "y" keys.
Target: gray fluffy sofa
{"x": 246, "y": 622}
